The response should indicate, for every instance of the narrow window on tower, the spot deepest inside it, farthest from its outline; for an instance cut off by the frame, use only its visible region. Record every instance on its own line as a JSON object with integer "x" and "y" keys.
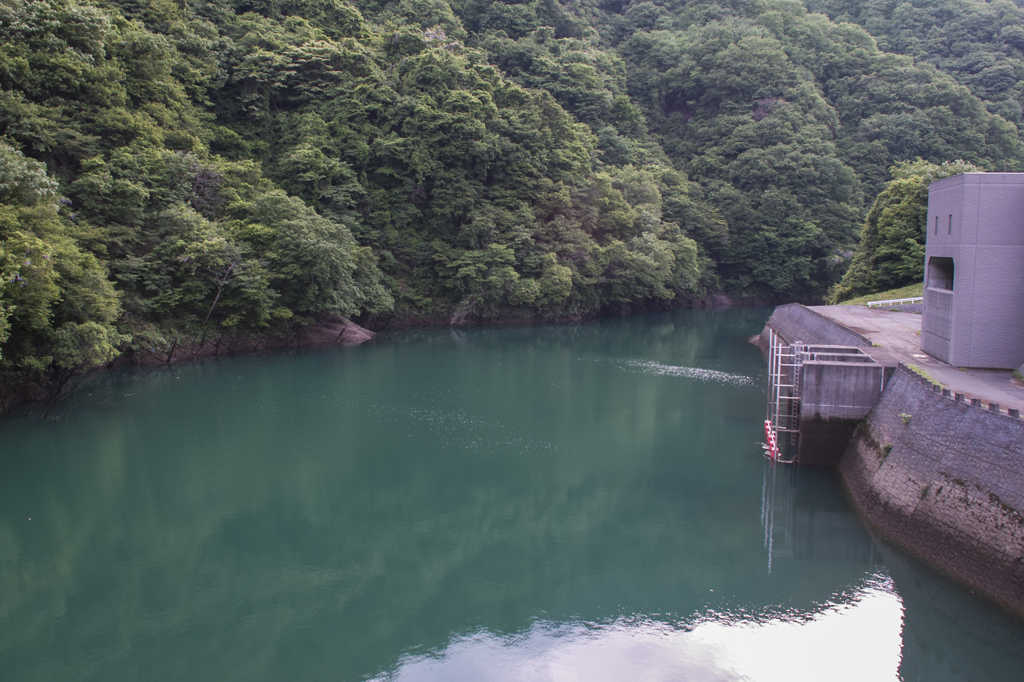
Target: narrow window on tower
{"x": 936, "y": 224}
{"x": 950, "y": 229}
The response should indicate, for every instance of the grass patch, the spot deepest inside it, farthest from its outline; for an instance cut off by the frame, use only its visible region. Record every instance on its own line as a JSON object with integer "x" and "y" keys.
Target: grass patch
{"x": 921, "y": 373}
{"x": 909, "y": 291}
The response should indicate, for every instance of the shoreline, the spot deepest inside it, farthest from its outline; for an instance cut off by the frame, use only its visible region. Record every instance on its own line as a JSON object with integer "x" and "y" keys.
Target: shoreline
{"x": 330, "y": 331}
{"x": 22, "y": 393}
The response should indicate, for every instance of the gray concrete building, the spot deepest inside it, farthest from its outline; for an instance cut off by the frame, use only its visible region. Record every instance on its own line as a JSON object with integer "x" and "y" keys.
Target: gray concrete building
{"x": 974, "y": 271}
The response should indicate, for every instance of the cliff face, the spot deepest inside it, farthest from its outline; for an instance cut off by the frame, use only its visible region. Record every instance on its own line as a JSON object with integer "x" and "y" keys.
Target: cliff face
{"x": 946, "y": 481}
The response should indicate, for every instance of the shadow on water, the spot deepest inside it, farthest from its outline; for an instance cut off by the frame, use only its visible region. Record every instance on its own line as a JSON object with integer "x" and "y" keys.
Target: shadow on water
{"x": 949, "y": 633}
{"x": 805, "y": 516}
{"x": 477, "y": 504}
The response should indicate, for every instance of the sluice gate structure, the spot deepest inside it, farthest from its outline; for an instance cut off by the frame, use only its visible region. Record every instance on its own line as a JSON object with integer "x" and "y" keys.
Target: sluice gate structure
{"x": 818, "y": 389}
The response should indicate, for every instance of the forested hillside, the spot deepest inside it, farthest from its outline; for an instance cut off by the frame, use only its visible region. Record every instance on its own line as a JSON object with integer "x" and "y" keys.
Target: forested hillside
{"x": 980, "y": 44}
{"x": 203, "y": 169}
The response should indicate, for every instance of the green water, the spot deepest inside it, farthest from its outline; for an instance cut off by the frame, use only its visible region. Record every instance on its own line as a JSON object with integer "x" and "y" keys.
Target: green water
{"x": 559, "y": 503}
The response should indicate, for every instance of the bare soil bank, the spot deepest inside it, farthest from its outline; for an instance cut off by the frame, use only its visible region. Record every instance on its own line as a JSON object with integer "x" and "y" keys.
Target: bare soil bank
{"x": 329, "y": 331}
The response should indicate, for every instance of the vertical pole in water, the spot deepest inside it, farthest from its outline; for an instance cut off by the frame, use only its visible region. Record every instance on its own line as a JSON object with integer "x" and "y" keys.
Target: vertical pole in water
{"x": 764, "y": 504}
{"x": 774, "y": 393}
{"x": 771, "y": 354}
{"x": 768, "y": 511}
{"x": 772, "y": 408}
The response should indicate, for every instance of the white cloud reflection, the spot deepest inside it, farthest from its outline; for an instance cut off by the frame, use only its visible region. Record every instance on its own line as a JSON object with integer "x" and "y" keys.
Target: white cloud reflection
{"x": 858, "y": 637}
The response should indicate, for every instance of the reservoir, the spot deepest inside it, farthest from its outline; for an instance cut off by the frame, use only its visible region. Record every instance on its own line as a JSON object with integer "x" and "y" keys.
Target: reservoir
{"x": 585, "y": 502}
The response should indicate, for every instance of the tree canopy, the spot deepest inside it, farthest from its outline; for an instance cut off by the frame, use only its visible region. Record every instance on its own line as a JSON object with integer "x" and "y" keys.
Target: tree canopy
{"x": 892, "y": 241}
{"x": 211, "y": 168}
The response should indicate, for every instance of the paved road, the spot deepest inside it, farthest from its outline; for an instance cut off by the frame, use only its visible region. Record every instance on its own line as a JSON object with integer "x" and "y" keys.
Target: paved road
{"x": 898, "y": 337}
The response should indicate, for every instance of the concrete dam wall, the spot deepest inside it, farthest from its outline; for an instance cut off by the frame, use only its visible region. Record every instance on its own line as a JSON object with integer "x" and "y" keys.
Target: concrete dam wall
{"x": 798, "y": 324}
{"x": 945, "y": 480}
{"x": 940, "y": 477}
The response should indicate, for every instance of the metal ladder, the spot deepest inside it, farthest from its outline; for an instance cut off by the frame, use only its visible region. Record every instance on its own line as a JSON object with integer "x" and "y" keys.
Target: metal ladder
{"x": 784, "y": 394}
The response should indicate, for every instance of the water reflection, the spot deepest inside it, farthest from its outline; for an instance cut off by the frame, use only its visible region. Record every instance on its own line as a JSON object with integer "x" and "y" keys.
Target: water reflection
{"x": 804, "y": 515}
{"x": 950, "y": 635}
{"x": 786, "y": 647}
{"x": 321, "y": 515}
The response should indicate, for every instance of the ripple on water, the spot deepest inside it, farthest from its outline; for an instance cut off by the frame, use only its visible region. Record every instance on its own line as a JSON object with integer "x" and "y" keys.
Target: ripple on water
{"x": 696, "y": 373}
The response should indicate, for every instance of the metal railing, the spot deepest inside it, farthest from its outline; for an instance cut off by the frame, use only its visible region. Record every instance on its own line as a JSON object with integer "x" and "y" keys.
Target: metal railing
{"x": 894, "y": 301}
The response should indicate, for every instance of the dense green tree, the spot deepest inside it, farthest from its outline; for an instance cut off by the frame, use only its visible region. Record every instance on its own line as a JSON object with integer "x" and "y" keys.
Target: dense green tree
{"x": 979, "y": 43}
{"x": 57, "y": 307}
{"x": 749, "y": 123}
{"x": 590, "y": 83}
{"x": 783, "y": 116}
{"x": 892, "y": 242}
{"x": 191, "y": 241}
{"x": 447, "y": 168}
{"x": 247, "y": 167}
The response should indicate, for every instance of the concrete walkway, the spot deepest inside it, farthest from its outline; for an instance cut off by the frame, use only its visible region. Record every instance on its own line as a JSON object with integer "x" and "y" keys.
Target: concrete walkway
{"x": 897, "y": 337}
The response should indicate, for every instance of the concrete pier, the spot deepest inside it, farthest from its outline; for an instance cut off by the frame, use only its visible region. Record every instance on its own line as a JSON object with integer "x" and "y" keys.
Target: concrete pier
{"x": 834, "y": 397}
{"x": 895, "y": 337}
{"x": 832, "y": 384}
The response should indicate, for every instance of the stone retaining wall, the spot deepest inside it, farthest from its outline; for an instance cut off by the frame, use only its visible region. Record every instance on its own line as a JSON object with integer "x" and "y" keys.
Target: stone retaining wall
{"x": 945, "y": 479}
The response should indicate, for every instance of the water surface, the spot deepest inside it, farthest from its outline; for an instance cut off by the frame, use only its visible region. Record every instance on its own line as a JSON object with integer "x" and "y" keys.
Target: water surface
{"x": 553, "y": 503}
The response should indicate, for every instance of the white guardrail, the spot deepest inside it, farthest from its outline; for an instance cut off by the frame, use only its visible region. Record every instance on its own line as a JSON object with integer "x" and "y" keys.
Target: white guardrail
{"x": 894, "y": 301}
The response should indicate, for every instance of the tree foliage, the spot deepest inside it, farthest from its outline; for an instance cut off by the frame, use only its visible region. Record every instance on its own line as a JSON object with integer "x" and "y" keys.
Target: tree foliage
{"x": 57, "y": 306}
{"x": 211, "y": 168}
{"x": 786, "y": 118}
{"x": 892, "y": 242}
{"x": 980, "y": 44}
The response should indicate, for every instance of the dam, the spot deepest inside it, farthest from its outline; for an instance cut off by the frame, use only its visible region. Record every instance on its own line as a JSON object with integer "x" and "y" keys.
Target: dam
{"x": 828, "y": 365}
{"x": 932, "y": 455}
{"x": 821, "y": 383}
